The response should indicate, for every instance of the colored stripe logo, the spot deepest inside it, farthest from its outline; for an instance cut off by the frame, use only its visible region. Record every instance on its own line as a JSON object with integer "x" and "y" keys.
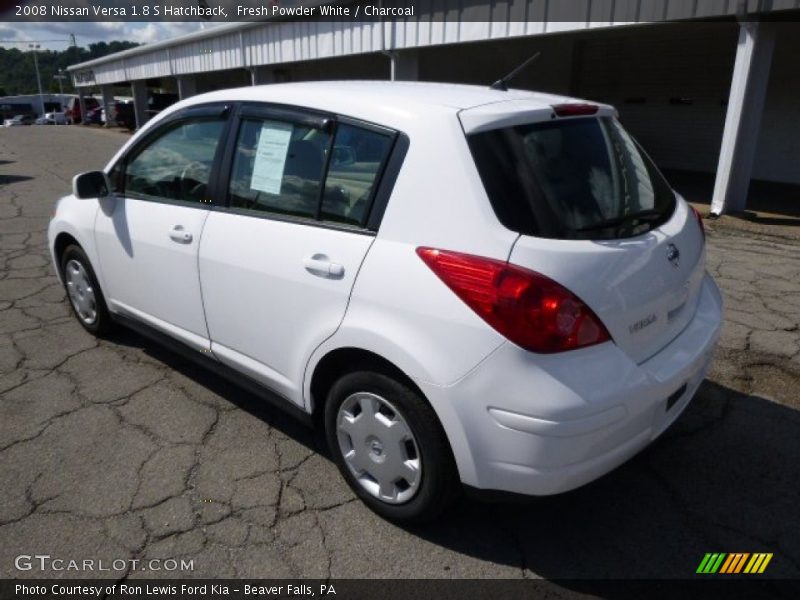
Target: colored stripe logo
{"x": 733, "y": 563}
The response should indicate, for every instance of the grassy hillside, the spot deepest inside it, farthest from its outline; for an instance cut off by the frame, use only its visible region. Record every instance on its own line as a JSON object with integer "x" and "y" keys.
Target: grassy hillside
{"x": 18, "y": 76}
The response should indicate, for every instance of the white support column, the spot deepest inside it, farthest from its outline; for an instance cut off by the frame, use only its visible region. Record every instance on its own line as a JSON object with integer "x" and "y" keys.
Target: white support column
{"x": 187, "y": 86}
{"x": 262, "y": 75}
{"x": 108, "y": 99}
{"x": 139, "y": 93}
{"x": 743, "y": 120}
{"x": 404, "y": 65}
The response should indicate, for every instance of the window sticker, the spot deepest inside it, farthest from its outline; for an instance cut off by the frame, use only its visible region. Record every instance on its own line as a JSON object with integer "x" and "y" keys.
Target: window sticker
{"x": 273, "y": 147}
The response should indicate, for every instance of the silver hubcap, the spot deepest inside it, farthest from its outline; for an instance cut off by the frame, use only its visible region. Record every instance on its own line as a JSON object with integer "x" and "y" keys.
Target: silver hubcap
{"x": 81, "y": 292}
{"x": 379, "y": 448}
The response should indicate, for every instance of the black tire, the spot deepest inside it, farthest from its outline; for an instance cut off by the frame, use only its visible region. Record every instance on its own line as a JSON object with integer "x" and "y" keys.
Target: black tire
{"x": 102, "y": 324}
{"x": 439, "y": 486}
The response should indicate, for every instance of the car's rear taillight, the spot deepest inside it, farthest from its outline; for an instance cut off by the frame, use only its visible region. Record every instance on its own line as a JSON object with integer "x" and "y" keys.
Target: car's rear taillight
{"x": 699, "y": 219}
{"x": 526, "y": 307}
{"x": 575, "y": 110}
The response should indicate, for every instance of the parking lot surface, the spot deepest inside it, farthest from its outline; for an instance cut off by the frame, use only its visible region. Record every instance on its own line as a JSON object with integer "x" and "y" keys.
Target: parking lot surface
{"x": 119, "y": 449}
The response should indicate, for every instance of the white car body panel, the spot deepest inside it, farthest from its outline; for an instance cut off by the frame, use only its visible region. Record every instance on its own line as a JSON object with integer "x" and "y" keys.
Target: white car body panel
{"x": 515, "y": 420}
{"x": 545, "y": 424}
{"x": 140, "y": 262}
{"x": 445, "y": 188}
{"x": 629, "y": 281}
{"x": 405, "y": 310}
{"x": 58, "y": 118}
{"x": 257, "y": 268}
{"x": 76, "y": 218}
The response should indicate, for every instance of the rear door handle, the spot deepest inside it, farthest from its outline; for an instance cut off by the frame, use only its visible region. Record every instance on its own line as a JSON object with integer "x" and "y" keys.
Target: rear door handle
{"x": 179, "y": 235}
{"x": 321, "y": 266}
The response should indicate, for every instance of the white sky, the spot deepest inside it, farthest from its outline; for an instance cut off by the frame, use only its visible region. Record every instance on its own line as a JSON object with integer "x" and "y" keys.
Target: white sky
{"x": 89, "y": 33}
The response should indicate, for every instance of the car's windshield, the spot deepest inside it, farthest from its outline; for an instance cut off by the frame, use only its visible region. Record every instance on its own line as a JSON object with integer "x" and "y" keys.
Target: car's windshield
{"x": 571, "y": 179}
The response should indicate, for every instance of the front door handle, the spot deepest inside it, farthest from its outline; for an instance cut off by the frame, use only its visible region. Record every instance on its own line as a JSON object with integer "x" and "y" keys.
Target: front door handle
{"x": 321, "y": 266}
{"x": 179, "y": 235}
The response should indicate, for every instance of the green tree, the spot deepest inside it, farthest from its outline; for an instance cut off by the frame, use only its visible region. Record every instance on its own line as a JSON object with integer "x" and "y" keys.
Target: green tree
{"x": 18, "y": 74}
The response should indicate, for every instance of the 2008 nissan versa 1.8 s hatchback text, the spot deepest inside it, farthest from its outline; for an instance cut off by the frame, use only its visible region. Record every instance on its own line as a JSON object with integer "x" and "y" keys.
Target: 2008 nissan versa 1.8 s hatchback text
{"x": 462, "y": 286}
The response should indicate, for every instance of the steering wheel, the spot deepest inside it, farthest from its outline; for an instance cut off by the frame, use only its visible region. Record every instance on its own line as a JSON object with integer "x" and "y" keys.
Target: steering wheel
{"x": 193, "y": 191}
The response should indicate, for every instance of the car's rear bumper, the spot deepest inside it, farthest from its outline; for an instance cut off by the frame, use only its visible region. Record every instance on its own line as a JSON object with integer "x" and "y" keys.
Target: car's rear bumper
{"x": 536, "y": 424}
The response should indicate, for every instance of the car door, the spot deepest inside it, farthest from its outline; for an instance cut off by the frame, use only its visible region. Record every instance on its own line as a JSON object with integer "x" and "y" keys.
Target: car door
{"x": 148, "y": 232}
{"x": 278, "y": 263}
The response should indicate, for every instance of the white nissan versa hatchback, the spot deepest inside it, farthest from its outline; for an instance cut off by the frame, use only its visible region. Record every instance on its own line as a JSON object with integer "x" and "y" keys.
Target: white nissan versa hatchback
{"x": 463, "y": 286}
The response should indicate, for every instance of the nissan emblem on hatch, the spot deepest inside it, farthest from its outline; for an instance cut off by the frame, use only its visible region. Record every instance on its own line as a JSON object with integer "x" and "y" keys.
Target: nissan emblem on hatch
{"x": 673, "y": 255}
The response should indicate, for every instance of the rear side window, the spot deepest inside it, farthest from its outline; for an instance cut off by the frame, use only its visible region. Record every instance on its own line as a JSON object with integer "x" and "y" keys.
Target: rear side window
{"x": 278, "y": 168}
{"x": 358, "y": 155}
{"x": 571, "y": 179}
{"x": 298, "y": 170}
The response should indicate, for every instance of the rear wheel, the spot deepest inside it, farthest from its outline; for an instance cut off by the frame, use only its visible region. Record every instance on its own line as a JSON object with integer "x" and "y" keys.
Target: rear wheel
{"x": 390, "y": 447}
{"x": 84, "y": 292}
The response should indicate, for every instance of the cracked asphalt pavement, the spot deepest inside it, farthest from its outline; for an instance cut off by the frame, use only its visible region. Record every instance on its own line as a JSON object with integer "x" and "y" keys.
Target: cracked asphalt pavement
{"x": 118, "y": 449}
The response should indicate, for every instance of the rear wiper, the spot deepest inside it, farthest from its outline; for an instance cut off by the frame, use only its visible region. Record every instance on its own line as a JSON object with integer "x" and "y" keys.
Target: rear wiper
{"x": 644, "y": 216}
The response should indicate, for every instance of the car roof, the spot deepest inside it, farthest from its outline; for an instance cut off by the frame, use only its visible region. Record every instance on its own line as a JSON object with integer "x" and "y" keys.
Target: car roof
{"x": 380, "y": 101}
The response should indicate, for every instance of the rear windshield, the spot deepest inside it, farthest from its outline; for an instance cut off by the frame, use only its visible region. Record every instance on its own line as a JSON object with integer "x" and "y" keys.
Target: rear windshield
{"x": 572, "y": 179}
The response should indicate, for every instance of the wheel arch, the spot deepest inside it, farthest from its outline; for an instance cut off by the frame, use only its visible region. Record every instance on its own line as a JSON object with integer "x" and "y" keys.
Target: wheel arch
{"x": 343, "y": 360}
{"x": 60, "y": 244}
{"x": 347, "y": 359}
{"x": 74, "y": 224}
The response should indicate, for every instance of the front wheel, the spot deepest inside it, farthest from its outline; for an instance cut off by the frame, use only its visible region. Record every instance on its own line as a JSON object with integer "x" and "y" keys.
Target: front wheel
{"x": 390, "y": 447}
{"x": 84, "y": 292}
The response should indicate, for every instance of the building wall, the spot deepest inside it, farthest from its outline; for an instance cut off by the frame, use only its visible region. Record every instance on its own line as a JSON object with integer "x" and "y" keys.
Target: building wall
{"x": 482, "y": 63}
{"x": 670, "y": 83}
{"x": 640, "y": 70}
{"x": 209, "y": 82}
{"x": 778, "y": 151}
{"x": 364, "y": 66}
{"x": 692, "y": 62}
{"x": 437, "y": 22}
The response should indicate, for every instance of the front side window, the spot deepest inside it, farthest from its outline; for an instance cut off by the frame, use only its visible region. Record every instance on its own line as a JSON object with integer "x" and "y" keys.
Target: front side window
{"x": 177, "y": 164}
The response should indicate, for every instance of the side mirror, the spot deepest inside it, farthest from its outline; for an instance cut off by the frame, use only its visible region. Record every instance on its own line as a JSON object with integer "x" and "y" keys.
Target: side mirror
{"x": 92, "y": 184}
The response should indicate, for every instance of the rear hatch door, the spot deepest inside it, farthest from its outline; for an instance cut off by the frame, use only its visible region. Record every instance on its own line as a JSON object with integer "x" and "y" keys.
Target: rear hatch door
{"x": 643, "y": 295}
{"x": 595, "y": 215}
